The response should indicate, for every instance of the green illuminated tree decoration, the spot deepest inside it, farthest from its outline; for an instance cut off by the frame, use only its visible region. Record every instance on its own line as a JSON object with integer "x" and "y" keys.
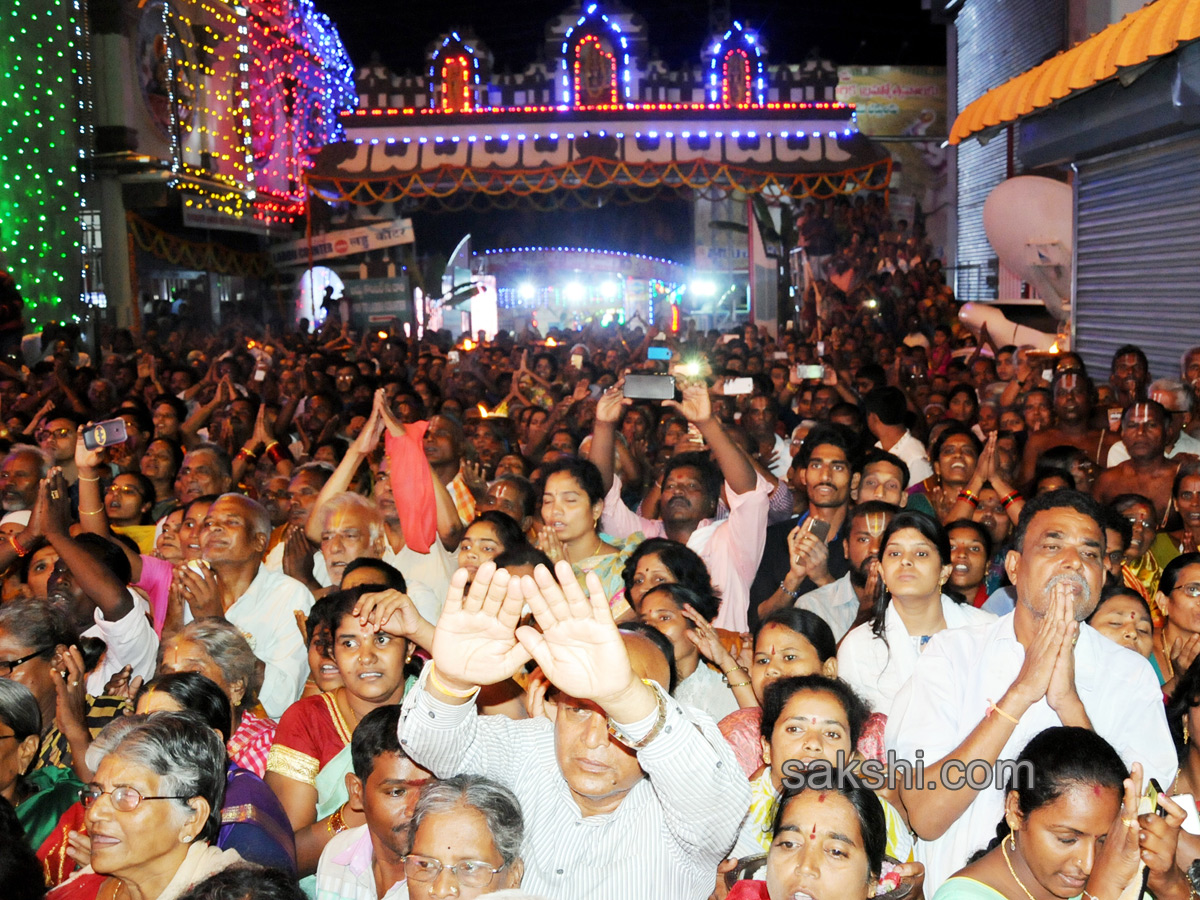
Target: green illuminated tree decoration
{"x": 41, "y": 136}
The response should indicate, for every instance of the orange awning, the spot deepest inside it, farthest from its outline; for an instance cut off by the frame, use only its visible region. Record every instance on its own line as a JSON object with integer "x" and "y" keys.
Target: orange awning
{"x": 1154, "y": 30}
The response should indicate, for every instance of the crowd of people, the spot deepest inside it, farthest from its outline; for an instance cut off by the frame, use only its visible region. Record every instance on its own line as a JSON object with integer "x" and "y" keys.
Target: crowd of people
{"x": 355, "y": 617}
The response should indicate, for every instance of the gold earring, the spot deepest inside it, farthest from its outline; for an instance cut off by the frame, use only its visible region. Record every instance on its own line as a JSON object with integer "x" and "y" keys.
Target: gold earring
{"x": 1012, "y": 841}
{"x": 1185, "y": 729}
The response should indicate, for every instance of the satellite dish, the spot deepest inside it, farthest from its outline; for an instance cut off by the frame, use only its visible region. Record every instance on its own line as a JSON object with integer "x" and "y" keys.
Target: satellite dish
{"x": 1030, "y": 222}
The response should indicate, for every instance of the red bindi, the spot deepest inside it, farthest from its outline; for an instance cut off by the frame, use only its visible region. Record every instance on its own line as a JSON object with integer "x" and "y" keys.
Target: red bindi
{"x": 820, "y": 798}
{"x": 813, "y": 836}
{"x": 1095, "y": 790}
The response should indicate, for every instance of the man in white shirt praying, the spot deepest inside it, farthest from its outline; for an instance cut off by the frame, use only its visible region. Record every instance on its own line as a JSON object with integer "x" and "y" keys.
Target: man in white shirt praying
{"x": 982, "y": 692}
{"x": 261, "y": 603}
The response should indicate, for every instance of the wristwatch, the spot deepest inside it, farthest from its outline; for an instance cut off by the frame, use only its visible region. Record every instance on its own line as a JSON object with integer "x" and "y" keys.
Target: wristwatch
{"x": 660, "y": 720}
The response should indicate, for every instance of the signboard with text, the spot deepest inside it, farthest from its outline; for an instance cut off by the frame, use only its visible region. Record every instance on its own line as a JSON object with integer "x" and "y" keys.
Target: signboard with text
{"x": 343, "y": 243}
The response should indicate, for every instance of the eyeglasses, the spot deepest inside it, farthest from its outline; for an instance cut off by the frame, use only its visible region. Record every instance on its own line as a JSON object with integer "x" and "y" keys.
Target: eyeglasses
{"x": 1188, "y": 590}
{"x": 469, "y": 873}
{"x": 7, "y": 665}
{"x": 124, "y": 489}
{"x": 1145, "y": 523}
{"x": 126, "y": 799}
{"x": 58, "y": 433}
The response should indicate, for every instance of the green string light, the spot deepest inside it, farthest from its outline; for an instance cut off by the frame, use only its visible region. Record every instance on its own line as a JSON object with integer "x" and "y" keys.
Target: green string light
{"x": 39, "y": 177}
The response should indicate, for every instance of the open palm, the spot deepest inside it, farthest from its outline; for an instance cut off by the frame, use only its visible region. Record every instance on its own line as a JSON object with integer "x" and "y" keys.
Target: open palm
{"x": 579, "y": 647}
{"x": 474, "y": 640}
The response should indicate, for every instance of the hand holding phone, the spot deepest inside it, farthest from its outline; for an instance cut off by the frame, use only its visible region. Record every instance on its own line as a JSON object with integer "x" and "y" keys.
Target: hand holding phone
{"x": 105, "y": 434}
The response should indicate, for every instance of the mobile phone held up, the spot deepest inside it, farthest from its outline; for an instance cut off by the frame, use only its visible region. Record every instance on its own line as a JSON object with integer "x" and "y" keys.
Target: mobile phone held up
{"x": 105, "y": 434}
{"x": 650, "y": 387}
{"x": 658, "y": 354}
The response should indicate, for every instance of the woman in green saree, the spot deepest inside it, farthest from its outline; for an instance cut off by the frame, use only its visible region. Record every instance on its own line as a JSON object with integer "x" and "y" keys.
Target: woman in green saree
{"x": 40, "y": 794}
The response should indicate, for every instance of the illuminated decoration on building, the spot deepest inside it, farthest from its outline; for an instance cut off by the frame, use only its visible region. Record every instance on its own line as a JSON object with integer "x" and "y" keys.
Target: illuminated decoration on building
{"x": 457, "y": 68}
{"x": 243, "y": 94}
{"x": 736, "y": 75}
{"x": 43, "y": 127}
{"x": 595, "y": 61}
{"x": 599, "y": 119}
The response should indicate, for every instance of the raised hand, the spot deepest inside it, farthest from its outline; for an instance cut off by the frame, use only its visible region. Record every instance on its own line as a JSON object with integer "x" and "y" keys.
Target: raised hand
{"x": 297, "y": 555}
{"x": 368, "y": 438}
{"x": 1061, "y": 692}
{"x": 1116, "y": 863}
{"x": 579, "y": 647}
{"x": 70, "y": 692}
{"x": 57, "y": 519}
{"x": 473, "y": 475}
{"x": 695, "y": 406}
{"x": 704, "y": 638}
{"x": 395, "y": 608}
{"x": 474, "y": 642}
{"x": 85, "y": 459}
{"x": 201, "y": 591}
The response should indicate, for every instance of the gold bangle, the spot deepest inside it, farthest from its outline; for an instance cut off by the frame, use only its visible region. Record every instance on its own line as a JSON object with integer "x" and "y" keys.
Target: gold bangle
{"x": 734, "y": 684}
{"x": 450, "y": 692}
{"x": 91, "y": 512}
{"x": 21, "y": 551}
{"x": 337, "y": 822}
{"x": 89, "y": 480}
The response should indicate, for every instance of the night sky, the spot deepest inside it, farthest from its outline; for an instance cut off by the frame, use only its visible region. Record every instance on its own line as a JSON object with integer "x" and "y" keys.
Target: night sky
{"x": 862, "y": 32}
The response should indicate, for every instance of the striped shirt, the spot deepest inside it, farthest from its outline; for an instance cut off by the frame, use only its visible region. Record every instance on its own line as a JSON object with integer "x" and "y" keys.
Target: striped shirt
{"x": 663, "y": 841}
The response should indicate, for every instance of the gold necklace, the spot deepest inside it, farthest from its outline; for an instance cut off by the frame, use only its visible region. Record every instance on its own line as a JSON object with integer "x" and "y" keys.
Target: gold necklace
{"x": 1012, "y": 871}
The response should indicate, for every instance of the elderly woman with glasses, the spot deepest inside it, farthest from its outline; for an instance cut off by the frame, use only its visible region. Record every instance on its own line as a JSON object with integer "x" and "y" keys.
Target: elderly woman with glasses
{"x": 40, "y": 795}
{"x": 153, "y": 812}
{"x": 480, "y": 822}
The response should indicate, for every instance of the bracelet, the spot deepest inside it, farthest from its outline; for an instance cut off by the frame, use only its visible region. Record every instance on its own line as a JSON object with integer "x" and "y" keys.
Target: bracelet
{"x": 660, "y": 720}
{"x": 249, "y": 454}
{"x": 1011, "y": 498}
{"x": 337, "y": 822}
{"x": 89, "y": 480}
{"x": 275, "y": 454}
{"x": 91, "y": 512}
{"x": 967, "y": 495}
{"x": 450, "y": 692}
{"x": 734, "y": 684}
{"x": 792, "y": 595}
{"x": 21, "y": 551}
{"x": 993, "y": 708}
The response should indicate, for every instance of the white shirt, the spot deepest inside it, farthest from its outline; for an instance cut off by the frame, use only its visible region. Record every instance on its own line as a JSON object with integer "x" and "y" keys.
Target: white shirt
{"x": 426, "y": 575}
{"x": 706, "y": 690}
{"x": 344, "y": 871}
{"x": 129, "y": 641}
{"x": 1117, "y": 454}
{"x": 964, "y": 669}
{"x": 912, "y": 451}
{"x": 266, "y": 616}
{"x": 663, "y": 840}
{"x": 877, "y": 670}
{"x": 835, "y": 602}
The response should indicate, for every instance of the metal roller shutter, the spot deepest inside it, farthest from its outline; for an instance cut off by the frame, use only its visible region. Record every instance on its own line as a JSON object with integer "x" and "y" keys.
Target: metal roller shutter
{"x": 1137, "y": 254}
{"x": 996, "y": 39}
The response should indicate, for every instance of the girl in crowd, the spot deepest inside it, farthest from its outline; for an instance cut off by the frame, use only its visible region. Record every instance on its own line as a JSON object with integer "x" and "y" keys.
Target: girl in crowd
{"x": 809, "y": 719}
{"x": 789, "y": 642}
{"x": 685, "y": 617}
{"x": 323, "y": 675}
{"x": 658, "y": 561}
{"x": 252, "y": 821}
{"x": 877, "y": 657}
{"x": 311, "y": 755}
{"x": 216, "y": 649}
{"x": 1070, "y": 827}
{"x": 491, "y": 534}
{"x": 1186, "y": 496}
{"x": 1123, "y": 616}
{"x": 955, "y": 457}
{"x": 160, "y": 463}
{"x": 572, "y": 503}
{"x": 970, "y": 552}
{"x": 1178, "y": 643}
{"x": 825, "y": 843}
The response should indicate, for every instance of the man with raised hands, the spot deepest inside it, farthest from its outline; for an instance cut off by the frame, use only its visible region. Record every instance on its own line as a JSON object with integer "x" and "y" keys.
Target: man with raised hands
{"x": 625, "y": 793}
